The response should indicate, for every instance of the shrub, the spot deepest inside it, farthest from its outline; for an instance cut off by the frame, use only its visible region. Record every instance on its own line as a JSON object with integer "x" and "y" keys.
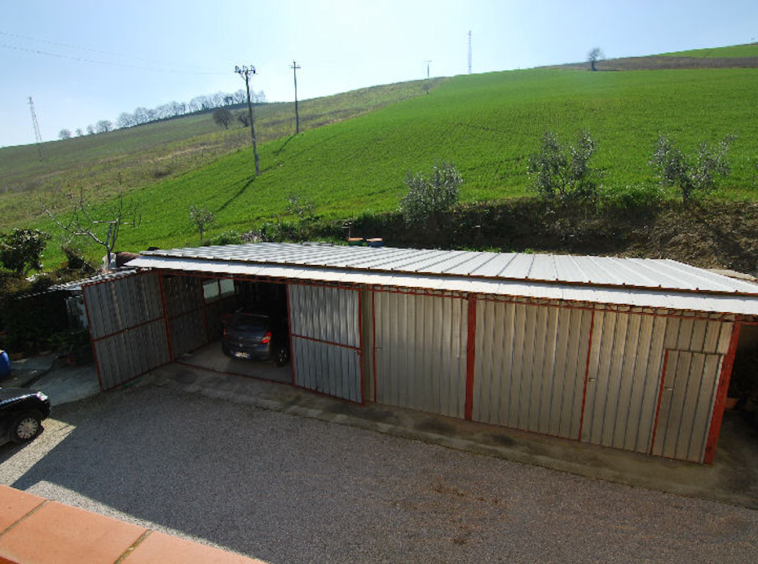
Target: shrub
{"x": 693, "y": 173}
{"x": 229, "y": 237}
{"x": 21, "y": 250}
{"x": 426, "y": 198}
{"x": 563, "y": 173}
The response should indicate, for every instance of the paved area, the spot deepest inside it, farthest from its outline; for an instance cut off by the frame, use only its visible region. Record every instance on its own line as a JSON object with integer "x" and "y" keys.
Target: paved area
{"x": 62, "y": 382}
{"x": 212, "y": 358}
{"x": 301, "y": 485}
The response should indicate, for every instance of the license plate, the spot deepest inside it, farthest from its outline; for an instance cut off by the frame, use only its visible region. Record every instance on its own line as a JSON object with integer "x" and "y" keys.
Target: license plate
{"x": 241, "y": 355}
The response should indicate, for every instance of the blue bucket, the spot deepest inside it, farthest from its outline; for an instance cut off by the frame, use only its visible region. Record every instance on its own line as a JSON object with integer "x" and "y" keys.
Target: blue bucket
{"x": 5, "y": 364}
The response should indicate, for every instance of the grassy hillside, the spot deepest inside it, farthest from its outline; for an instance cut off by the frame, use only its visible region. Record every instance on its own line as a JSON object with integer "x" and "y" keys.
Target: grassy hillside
{"x": 487, "y": 124}
{"x": 139, "y": 156}
{"x": 734, "y": 51}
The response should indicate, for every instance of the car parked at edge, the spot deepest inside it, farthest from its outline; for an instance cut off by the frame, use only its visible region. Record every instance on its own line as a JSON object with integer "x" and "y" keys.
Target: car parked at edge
{"x": 21, "y": 414}
{"x": 256, "y": 336}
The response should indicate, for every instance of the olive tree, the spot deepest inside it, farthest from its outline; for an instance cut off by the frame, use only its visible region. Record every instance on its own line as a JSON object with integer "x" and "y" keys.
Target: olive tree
{"x": 563, "y": 172}
{"x": 426, "y": 198}
{"x": 691, "y": 173}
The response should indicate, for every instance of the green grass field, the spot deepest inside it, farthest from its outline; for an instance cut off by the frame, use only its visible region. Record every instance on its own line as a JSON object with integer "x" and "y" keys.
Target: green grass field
{"x": 486, "y": 124}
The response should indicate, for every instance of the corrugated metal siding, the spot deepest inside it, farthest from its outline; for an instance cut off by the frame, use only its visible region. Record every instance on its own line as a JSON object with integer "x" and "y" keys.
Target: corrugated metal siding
{"x": 421, "y": 352}
{"x": 327, "y": 368}
{"x": 131, "y": 353}
{"x": 127, "y": 327}
{"x": 530, "y": 365}
{"x": 122, "y": 303}
{"x": 626, "y": 366}
{"x": 326, "y": 340}
{"x": 186, "y": 320}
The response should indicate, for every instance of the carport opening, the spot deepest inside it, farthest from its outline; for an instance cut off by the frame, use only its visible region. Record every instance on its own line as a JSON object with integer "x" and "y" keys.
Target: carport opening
{"x": 743, "y": 384}
{"x": 247, "y": 329}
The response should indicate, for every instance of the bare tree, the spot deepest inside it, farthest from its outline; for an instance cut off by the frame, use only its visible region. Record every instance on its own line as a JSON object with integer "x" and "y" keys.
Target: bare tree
{"x": 79, "y": 132}
{"x": 103, "y": 126}
{"x": 222, "y": 116}
{"x": 103, "y": 226}
{"x": 90, "y": 130}
{"x": 243, "y": 118}
{"x": 594, "y": 56}
{"x": 125, "y": 120}
{"x": 64, "y": 134}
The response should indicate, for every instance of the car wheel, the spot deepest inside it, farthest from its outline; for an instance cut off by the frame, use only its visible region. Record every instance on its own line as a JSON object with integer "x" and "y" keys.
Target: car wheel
{"x": 282, "y": 356}
{"x": 26, "y": 427}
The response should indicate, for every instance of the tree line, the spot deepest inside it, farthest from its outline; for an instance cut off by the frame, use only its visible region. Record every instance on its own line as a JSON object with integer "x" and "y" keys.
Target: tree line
{"x": 142, "y": 115}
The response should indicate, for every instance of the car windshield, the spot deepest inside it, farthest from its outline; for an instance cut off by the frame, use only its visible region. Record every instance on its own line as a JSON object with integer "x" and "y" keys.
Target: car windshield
{"x": 245, "y": 322}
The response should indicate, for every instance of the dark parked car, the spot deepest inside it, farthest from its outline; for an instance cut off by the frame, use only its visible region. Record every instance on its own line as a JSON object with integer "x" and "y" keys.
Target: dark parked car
{"x": 256, "y": 336}
{"x": 21, "y": 414}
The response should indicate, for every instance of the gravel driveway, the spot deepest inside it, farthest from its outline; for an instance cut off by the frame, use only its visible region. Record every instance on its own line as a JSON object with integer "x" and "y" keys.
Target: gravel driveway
{"x": 288, "y": 490}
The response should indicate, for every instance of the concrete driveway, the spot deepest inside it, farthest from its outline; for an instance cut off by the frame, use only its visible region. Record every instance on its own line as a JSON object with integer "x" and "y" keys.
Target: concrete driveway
{"x": 290, "y": 489}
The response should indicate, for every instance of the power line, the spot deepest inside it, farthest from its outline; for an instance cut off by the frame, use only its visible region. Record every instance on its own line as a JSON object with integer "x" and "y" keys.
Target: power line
{"x": 107, "y": 63}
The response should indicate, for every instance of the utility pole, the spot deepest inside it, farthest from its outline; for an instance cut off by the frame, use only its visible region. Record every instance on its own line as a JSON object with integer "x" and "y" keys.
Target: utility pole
{"x": 294, "y": 68}
{"x": 37, "y": 134}
{"x": 246, "y": 72}
{"x": 469, "y": 51}
{"x": 427, "y": 75}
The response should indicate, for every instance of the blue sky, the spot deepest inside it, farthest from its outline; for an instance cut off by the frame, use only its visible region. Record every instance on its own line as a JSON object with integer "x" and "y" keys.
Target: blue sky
{"x": 87, "y": 60}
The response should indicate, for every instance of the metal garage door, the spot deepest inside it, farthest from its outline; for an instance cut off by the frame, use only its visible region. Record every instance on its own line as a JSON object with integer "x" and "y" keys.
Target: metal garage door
{"x": 530, "y": 366}
{"x": 685, "y": 404}
{"x": 420, "y": 352}
{"x": 127, "y": 327}
{"x": 326, "y": 341}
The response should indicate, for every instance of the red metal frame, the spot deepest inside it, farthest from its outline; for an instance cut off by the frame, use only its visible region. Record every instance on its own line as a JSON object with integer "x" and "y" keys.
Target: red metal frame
{"x": 165, "y": 318}
{"x": 660, "y": 398}
{"x": 313, "y": 339}
{"x": 91, "y": 340}
{"x": 586, "y": 377}
{"x": 721, "y": 391}
{"x": 470, "y": 357}
{"x": 289, "y": 323}
{"x": 360, "y": 343}
{"x": 373, "y": 337}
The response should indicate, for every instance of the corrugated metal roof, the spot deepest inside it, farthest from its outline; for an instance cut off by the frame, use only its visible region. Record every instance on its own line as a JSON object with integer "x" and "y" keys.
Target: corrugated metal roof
{"x": 642, "y": 282}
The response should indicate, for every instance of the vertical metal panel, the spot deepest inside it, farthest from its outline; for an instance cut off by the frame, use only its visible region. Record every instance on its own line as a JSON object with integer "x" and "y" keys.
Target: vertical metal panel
{"x": 530, "y": 366}
{"x": 623, "y": 380}
{"x": 326, "y": 340}
{"x": 421, "y": 352}
{"x": 687, "y": 399}
{"x": 127, "y": 327}
{"x": 184, "y": 302}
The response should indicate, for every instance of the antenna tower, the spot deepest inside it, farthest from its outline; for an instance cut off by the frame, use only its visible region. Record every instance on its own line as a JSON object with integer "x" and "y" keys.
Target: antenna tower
{"x": 469, "y": 51}
{"x": 428, "y": 62}
{"x": 37, "y": 134}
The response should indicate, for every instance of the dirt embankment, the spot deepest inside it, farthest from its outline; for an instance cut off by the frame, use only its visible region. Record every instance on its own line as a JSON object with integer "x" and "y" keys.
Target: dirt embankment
{"x": 704, "y": 234}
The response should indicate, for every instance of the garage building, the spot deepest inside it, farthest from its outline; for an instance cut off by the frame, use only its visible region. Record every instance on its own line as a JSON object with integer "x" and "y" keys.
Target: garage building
{"x": 634, "y": 354}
